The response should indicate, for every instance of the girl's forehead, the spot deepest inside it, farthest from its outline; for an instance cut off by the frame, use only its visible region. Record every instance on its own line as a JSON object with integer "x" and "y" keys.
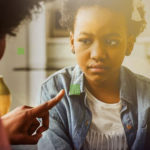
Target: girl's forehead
{"x": 99, "y": 18}
{"x": 99, "y": 13}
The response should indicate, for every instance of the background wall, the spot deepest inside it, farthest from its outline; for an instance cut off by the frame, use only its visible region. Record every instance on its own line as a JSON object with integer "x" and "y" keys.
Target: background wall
{"x": 16, "y": 81}
{"x": 139, "y": 61}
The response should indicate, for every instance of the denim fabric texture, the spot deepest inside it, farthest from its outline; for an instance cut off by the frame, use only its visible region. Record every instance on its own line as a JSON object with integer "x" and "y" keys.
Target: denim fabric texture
{"x": 70, "y": 119}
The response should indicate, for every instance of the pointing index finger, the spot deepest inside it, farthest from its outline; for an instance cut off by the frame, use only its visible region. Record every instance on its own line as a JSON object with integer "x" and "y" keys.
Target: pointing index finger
{"x": 39, "y": 110}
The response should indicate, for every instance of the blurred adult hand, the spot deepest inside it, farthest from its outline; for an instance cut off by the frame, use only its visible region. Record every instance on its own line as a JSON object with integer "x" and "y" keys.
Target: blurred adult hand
{"x": 21, "y": 123}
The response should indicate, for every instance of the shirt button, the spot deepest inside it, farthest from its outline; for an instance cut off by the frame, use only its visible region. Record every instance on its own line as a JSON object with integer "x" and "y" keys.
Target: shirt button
{"x": 129, "y": 126}
{"x": 87, "y": 123}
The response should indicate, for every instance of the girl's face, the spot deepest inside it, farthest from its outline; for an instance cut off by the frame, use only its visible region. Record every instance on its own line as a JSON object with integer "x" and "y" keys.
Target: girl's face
{"x": 100, "y": 42}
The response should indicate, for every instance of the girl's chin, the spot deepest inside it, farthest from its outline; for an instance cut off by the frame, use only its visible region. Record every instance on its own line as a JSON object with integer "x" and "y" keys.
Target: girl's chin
{"x": 97, "y": 78}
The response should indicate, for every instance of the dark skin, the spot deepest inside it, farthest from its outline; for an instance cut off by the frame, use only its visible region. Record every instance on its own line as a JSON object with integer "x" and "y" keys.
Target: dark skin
{"x": 100, "y": 48}
{"x": 21, "y": 123}
{"x": 108, "y": 94}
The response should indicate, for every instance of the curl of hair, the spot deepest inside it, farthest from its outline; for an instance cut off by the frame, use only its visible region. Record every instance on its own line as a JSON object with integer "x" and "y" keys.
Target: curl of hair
{"x": 70, "y": 8}
{"x": 12, "y": 12}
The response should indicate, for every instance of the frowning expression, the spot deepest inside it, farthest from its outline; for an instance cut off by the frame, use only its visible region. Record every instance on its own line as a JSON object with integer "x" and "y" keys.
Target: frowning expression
{"x": 100, "y": 41}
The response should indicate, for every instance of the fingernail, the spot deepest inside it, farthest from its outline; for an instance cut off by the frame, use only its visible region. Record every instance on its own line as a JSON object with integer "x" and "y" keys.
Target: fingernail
{"x": 60, "y": 92}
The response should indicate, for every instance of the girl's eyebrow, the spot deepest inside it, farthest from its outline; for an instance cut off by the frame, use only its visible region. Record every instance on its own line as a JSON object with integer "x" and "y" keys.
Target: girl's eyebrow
{"x": 108, "y": 35}
{"x": 114, "y": 34}
{"x": 85, "y": 33}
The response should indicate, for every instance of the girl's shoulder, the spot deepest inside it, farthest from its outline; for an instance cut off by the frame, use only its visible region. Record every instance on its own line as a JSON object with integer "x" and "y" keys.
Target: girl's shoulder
{"x": 137, "y": 84}
{"x": 65, "y": 72}
{"x": 138, "y": 78}
{"x": 64, "y": 77}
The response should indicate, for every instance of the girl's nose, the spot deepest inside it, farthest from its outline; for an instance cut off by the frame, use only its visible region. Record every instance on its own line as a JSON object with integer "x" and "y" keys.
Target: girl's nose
{"x": 98, "y": 53}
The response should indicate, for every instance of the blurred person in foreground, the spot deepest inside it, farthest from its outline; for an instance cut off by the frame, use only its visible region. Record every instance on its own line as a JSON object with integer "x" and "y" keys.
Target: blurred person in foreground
{"x": 18, "y": 126}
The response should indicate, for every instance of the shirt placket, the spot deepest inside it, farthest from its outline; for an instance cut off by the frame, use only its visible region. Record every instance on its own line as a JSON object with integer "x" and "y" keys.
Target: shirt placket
{"x": 127, "y": 122}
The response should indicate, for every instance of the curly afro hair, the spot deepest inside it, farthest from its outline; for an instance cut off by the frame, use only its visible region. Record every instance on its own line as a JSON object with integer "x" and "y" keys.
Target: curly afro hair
{"x": 70, "y": 7}
{"x": 12, "y": 12}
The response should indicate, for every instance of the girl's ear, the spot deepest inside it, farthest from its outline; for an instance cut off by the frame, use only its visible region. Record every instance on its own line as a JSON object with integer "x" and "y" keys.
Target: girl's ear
{"x": 72, "y": 42}
{"x": 130, "y": 45}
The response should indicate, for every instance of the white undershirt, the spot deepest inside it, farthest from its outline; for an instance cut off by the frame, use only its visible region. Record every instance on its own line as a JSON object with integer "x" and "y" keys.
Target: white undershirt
{"x": 106, "y": 131}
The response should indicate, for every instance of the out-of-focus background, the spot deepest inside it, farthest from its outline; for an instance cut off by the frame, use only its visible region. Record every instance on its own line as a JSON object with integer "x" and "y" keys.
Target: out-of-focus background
{"x": 46, "y": 49}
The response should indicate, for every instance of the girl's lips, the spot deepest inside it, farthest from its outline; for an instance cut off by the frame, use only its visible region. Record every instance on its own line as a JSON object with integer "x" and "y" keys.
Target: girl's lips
{"x": 98, "y": 68}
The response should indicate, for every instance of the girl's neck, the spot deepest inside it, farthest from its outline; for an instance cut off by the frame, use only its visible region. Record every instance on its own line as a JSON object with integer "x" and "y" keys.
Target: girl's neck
{"x": 106, "y": 91}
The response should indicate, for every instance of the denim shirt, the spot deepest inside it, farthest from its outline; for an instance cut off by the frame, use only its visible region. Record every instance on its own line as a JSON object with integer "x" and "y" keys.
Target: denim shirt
{"x": 70, "y": 119}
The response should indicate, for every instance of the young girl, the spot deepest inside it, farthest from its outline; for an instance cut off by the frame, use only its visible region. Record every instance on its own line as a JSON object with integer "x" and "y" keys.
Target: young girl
{"x": 106, "y": 106}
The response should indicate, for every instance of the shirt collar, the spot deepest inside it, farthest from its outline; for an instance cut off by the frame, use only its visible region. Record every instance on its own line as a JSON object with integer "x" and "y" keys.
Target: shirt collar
{"x": 127, "y": 84}
{"x": 77, "y": 79}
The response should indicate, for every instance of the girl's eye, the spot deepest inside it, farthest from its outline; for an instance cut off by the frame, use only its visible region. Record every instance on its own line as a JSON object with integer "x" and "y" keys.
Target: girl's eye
{"x": 85, "y": 41}
{"x": 112, "y": 42}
